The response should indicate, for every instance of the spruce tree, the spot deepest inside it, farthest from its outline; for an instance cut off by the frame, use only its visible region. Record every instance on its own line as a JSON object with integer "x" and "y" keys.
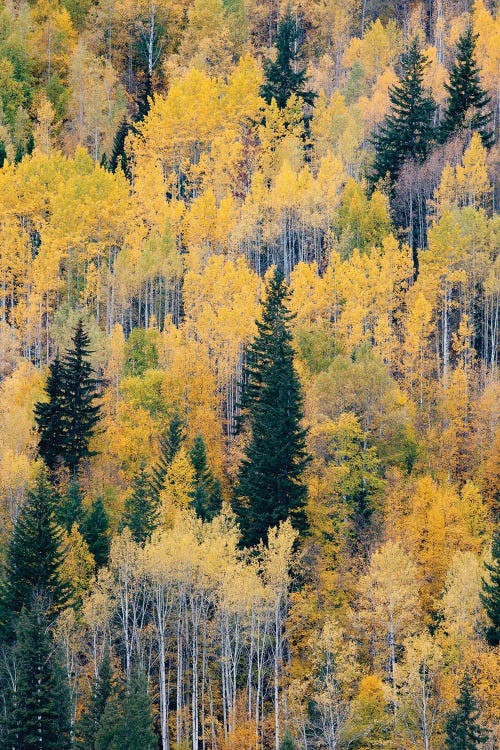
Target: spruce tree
{"x": 463, "y": 730}
{"x": 207, "y": 498}
{"x": 491, "y": 593}
{"x": 407, "y": 132}
{"x": 467, "y": 100}
{"x": 118, "y": 155}
{"x": 127, "y": 722}
{"x": 34, "y": 558}
{"x": 95, "y": 531}
{"x": 269, "y": 487}
{"x": 80, "y": 393}
{"x": 90, "y": 721}
{"x": 285, "y": 75}
{"x": 141, "y": 508}
{"x": 69, "y": 508}
{"x": 38, "y": 707}
{"x": 287, "y": 743}
{"x": 49, "y": 418}
{"x": 169, "y": 445}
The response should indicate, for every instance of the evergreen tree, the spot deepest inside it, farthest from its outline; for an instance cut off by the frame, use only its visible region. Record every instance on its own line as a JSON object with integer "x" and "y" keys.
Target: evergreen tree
{"x": 285, "y": 75}
{"x": 287, "y": 743}
{"x": 467, "y": 101}
{"x": 34, "y": 558}
{"x": 118, "y": 155}
{"x": 463, "y": 731}
{"x": 49, "y": 418}
{"x": 90, "y": 721}
{"x": 3, "y": 154}
{"x": 127, "y": 722}
{"x": 80, "y": 392}
{"x": 207, "y": 498}
{"x": 38, "y": 706}
{"x": 69, "y": 509}
{"x": 95, "y": 531}
{"x": 169, "y": 445}
{"x": 407, "y": 132}
{"x": 269, "y": 489}
{"x": 141, "y": 508}
{"x": 491, "y": 593}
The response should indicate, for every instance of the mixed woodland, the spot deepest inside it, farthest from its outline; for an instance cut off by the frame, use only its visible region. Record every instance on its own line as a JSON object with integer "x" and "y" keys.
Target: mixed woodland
{"x": 249, "y": 392}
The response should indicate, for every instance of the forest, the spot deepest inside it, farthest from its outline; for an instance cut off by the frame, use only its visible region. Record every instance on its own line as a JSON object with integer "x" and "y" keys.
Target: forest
{"x": 249, "y": 384}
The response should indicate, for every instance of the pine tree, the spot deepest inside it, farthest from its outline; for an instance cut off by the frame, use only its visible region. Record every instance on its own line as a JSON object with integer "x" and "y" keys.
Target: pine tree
{"x": 463, "y": 731}
{"x": 491, "y": 593}
{"x": 3, "y": 154}
{"x": 127, "y": 722}
{"x": 467, "y": 101}
{"x": 38, "y": 707}
{"x": 69, "y": 509}
{"x": 80, "y": 393}
{"x": 207, "y": 498}
{"x": 49, "y": 418}
{"x": 118, "y": 154}
{"x": 169, "y": 445}
{"x": 34, "y": 558}
{"x": 90, "y": 721}
{"x": 287, "y": 743}
{"x": 269, "y": 489}
{"x": 141, "y": 508}
{"x": 285, "y": 76}
{"x": 407, "y": 132}
{"x": 95, "y": 531}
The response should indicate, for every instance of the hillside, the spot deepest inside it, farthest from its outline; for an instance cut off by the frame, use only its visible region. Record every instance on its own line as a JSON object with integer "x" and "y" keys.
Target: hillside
{"x": 249, "y": 386}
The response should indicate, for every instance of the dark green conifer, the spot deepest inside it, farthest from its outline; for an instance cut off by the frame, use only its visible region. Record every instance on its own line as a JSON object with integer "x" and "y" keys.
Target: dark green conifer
{"x": 80, "y": 394}
{"x": 90, "y": 721}
{"x": 34, "y": 558}
{"x": 69, "y": 508}
{"x": 407, "y": 132}
{"x": 463, "y": 730}
{"x": 141, "y": 508}
{"x": 38, "y": 708}
{"x": 127, "y": 722}
{"x": 49, "y": 418}
{"x": 95, "y": 531}
{"x": 286, "y": 75}
{"x": 3, "y": 154}
{"x": 467, "y": 104}
{"x": 287, "y": 743}
{"x": 269, "y": 488}
{"x": 118, "y": 155}
{"x": 169, "y": 445}
{"x": 491, "y": 593}
{"x": 207, "y": 498}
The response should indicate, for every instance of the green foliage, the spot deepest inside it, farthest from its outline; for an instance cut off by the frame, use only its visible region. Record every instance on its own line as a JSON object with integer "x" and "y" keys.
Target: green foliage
{"x": 287, "y": 742}
{"x": 95, "y": 531}
{"x": 491, "y": 593}
{"x": 127, "y": 722}
{"x": 285, "y": 76}
{"x": 169, "y": 445}
{"x": 467, "y": 101}
{"x": 90, "y": 721}
{"x": 141, "y": 508}
{"x": 141, "y": 352}
{"x": 463, "y": 730}
{"x": 49, "y": 418}
{"x": 407, "y": 132}
{"x": 118, "y": 155}
{"x": 269, "y": 486}
{"x": 34, "y": 558}
{"x": 37, "y": 717}
{"x": 69, "y": 509}
{"x": 207, "y": 498}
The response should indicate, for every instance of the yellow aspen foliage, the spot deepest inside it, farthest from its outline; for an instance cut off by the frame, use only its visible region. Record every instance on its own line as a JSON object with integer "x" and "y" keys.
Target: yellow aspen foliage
{"x": 378, "y": 48}
{"x": 78, "y": 564}
{"x": 461, "y": 603}
{"x": 179, "y": 486}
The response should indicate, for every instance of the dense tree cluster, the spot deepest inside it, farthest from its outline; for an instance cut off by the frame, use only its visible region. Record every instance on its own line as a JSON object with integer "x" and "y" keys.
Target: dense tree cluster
{"x": 249, "y": 393}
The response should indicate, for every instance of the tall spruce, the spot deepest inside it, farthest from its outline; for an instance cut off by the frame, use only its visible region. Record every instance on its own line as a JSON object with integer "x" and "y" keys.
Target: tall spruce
{"x": 34, "y": 559}
{"x": 169, "y": 445}
{"x": 407, "y": 132}
{"x": 207, "y": 498}
{"x": 118, "y": 156}
{"x": 37, "y": 716}
{"x": 490, "y": 594}
{"x": 269, "y": 487}
{"x": 286, "y": 75}
{"x": 80, "y": 393}
{"x": 141, "y": 508}
{"x": 90, "y": 720}
{"x": 50, "y": 420}
{"x": 95, "y": 531}
{"x": 69, "y": 507}
{"x": 467, "y": 104}
{"x": 463, "y": 729}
